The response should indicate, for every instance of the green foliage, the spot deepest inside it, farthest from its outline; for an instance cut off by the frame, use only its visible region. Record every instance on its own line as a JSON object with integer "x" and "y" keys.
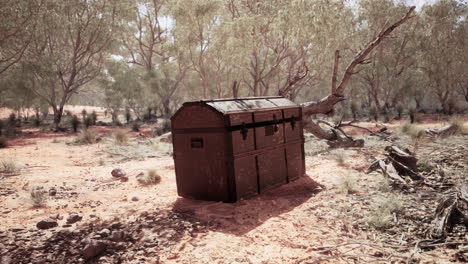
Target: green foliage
{"x": 12, "y": 119}
{"x": 149, "y": 178}
{"x": 88, "y": 121}
{"x": 84, "y": 114}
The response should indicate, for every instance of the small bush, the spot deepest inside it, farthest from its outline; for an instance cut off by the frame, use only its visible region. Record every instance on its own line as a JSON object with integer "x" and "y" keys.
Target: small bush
{"x": 84, "y": 114}
{"x": 339, "y": 157}
{"x": 88, "y": 121}
{"x": 101, "y": 162}
{"x": 121, "y": 137}
{"x": 68, "y": 113}
{"x": 383, "y": 185}
{"x": 3, "y": 142}
{"x": 458, "y": 123}
{"x": 9, "y": 167}
{"x": 412, "y": 130}
{"x": 12, "y": 119}
{"x": 135, "y": 127}
{"x": 37, "y": 121}
{"x": 412, "y": 114}
{"x": 75, "y": 122}
{"x": 2, "y": 126}
{"x": 93, "y": 118}
{"x": 128, "y": 116}
{"x": 382, "y": 212}
{"x": 149, "y": 178}
{"x": 399, "y": 109}
{"x": 374, "y": 113}
{"x": 425, "y": 165}
{"x": 38, "y": 197}
{"x": 347, "y": 184}
{"x": 87, "y": 136}
{"x": 355, "y": 109}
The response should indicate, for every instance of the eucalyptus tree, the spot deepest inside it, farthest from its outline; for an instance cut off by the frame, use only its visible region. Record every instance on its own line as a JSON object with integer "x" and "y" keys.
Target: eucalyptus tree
{"x": 68, "y": 48}
{"x": 443, "y": 49}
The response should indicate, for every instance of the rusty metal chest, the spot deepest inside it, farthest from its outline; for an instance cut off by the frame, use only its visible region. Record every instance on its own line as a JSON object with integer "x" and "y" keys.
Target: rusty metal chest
{"x": 229, "y": 149}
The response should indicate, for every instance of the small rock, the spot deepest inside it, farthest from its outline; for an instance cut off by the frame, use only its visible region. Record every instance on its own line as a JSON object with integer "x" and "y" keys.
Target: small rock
{"x": 135, "y": 199}
{"x": 93, "y": 248}
{"x": 104, "y": 232}
{"x": 16, "y": 229}
{"x": 73, "y": 218}
{"x": 124, "y": 179}
{"x": 52, "y": 191}
{"x": 46, "y": 223}
{"x": 55, "y": 217}
{"x": 117, "y": 173}
{"x": 117, "y": 236}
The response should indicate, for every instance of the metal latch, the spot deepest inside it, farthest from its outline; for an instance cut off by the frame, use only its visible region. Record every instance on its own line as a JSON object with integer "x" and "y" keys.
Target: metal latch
{"x": 275, "y": 121}
{"x": 244, "y": 131}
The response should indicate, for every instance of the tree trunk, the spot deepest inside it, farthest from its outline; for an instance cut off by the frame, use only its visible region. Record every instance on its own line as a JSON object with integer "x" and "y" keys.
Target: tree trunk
{"x": 327, "y": 104}
{"x": 58, "y": 113}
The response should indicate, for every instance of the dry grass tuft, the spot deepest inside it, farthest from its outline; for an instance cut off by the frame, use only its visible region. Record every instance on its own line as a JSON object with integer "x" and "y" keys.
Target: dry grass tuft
{"x": 9, "y": 167}
{"x": 121, "y": 137}
{"x": 381, "y": 215}
{"x": 38, "y": 197}
{"x": 87, "y": 136}
{"x": 149, "y": 178}
{"x": 347, "y": 184}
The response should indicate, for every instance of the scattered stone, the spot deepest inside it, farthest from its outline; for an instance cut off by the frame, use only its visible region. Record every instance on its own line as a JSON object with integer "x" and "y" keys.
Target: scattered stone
{"x": 16, "y": 229}
{"x": 124, "y": 179}
{"x": 55, "y": 217}
{"x": 118, "y": 173}
{"x": 135, "y": 199}
{"x": 73, "y": 218}
{"x": 104, "y": 232}
{"x": 46, "y": 223}
{"x": 93, "y": 248}
{"x": 52, "y": 191}
{"x": 117, "y": 236}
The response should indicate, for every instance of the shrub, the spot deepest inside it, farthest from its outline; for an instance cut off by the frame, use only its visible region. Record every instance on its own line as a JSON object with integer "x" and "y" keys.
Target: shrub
{"x": 93, "y": 118}
{"x": 68, "y": 113}
{"x": 355, "y": 109}
{"x": 135, "y": 127}
{"x": 37, "y": 121}
{"x": 149, "y": 178}
{"x": 339, "y": 157}
{"x": 87, "y": 136}
{"x": 128, "y": 115}
{"x": 382, "y": 212}
{"x": 105, "y": 113}
{"x": 425, "y": 165}
{"x": 2, "y": 126}
{"x": 9, "y": 167}
{"x": 121, "y": 137}
{"x": 347, "y": 184}
{"x": 101, "y": 162}
{"x": 412, "y": 130}
{"x": 374, "y": 113}
{"x": 88, "y": 121}
{"x": 38, "y": 197}
{"x": 84, "y": 114}
{"x": 75, "y": 122}
{"x": 383, "y": 185}
{"x": 458, "y": 123}
{"x": 3, "y": 142}
{"x": 12, "y": 119}
{"x": 412, "y": 114}
{"x": 399, "y": 108}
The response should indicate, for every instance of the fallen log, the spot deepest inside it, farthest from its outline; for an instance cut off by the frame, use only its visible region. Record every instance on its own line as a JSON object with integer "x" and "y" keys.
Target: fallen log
{"x": 452, "y": 210}
{"x": 443, "y": 131}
